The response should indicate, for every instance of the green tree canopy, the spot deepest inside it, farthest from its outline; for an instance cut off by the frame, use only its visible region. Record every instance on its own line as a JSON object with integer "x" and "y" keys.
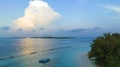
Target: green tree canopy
{"x": 105, "y": 50}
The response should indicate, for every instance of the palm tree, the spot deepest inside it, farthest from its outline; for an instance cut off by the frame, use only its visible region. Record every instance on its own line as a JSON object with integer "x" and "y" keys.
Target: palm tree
{"x": 105, "y": 50}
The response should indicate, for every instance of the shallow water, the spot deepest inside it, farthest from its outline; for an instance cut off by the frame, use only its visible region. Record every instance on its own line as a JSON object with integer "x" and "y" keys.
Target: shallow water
{"x": 26, "y": 52}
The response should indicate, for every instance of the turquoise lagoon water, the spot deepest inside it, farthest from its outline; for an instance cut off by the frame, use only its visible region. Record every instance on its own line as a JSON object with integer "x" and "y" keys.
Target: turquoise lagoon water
{"x": 26, "y": 52}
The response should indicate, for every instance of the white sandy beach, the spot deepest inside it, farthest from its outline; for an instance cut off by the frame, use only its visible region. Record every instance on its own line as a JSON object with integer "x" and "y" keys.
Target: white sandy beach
{"x": 85, "y": 61}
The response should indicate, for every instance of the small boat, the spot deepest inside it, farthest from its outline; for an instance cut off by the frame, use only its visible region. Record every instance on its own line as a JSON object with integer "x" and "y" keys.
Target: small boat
{"x": 46, "y": 60}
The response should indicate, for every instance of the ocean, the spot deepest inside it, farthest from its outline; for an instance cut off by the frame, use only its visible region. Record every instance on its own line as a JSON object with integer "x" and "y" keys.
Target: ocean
{"x": 27, "y": 52}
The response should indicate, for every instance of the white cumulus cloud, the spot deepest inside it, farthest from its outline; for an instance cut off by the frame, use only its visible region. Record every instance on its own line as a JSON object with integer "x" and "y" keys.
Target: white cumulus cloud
{"x": 37, "y": 14}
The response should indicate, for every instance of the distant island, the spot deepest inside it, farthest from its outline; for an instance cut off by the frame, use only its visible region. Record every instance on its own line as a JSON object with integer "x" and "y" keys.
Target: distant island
{"x": 47, "y": 37}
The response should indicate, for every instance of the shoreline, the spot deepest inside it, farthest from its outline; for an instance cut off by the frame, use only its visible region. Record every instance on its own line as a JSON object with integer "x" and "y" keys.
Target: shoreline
{"x": 85, "y": 61}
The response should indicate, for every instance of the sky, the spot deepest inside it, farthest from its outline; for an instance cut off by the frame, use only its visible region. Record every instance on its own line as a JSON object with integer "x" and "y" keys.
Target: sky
{"x": 58, "y": 17}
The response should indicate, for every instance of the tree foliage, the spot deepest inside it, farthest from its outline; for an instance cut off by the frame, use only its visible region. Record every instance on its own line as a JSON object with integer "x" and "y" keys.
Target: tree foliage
{"x": 105, "y": 50}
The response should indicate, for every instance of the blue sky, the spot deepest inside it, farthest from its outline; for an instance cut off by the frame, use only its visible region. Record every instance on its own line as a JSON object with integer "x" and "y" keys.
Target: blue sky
{"x": 75, "y": 14}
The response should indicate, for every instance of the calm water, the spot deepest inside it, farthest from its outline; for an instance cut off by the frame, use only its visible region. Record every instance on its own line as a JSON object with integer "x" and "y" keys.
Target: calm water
{"x": 26, "y": 52}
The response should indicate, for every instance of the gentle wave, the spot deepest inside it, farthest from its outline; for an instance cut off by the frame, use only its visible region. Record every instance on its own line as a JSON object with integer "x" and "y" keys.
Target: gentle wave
{"x": 10, "y": 57}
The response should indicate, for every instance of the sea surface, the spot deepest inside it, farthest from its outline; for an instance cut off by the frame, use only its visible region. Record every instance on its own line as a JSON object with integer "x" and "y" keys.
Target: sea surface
{"x": 26, "y": 52}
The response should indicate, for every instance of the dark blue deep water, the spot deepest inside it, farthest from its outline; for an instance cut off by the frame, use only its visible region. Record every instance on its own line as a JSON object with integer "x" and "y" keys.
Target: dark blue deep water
{"x": 26, "y": 52}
